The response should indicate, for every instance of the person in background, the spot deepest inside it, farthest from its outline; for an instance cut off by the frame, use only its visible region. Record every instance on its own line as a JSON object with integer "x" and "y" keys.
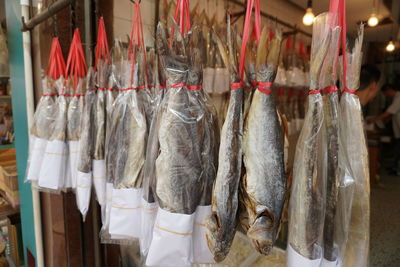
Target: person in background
{"x": 392, "y": 112}
{"x": 369, "y": 79}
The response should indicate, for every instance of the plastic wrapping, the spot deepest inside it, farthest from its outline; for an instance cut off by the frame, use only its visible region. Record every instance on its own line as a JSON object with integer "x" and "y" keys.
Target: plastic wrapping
{"x": 221, "y": 225}
{"x": 307, "y": 202}
{"x": 75, "y": 108}
{"x": 149, "y": 205}
{"x": 86, "y": 147}
{"x": 331, "y": 140}
{"x": 42, "y": 127}
{"x": 263, "y": 187}
{"x": 183, "y": 171}
{"x": 54, "y": 164}
{"x": 354, "y": 188}
{"x": 99, "y": 168}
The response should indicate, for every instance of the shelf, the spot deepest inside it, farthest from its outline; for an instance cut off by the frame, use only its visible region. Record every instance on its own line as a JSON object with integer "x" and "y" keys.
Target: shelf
{"x": 7, "y": 146}
{"x": 5, "y": 97}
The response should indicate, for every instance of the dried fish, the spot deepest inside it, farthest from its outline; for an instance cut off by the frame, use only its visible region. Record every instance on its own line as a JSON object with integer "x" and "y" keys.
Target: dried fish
{"x": 264, "y": 185}
{"x": 307, "y": 195}
{"x": 331, "y": 121}
{"x": 87, "y": 126}
{"x": 221, "y": 225}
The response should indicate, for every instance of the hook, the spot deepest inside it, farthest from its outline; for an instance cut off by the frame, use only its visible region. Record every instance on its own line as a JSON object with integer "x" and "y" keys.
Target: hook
{"x": 134, "y": 1}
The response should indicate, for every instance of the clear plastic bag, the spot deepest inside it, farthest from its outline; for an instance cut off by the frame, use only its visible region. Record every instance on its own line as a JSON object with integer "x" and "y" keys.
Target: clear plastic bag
{"x": 99, "y": 168}
{"x": 354, "y": 188}
{"x": 307, "y": 201}
{"x": 183, "y": 173}
{"x": 331, "y": 141}
{"x": 42, "y": 127}
{"x": 221, "y": 225}
{"x": 263, "y": 187}
{"x": 86, "y": 147}
{"x": 54, "y": 163}
{"x": 74, "y": 116}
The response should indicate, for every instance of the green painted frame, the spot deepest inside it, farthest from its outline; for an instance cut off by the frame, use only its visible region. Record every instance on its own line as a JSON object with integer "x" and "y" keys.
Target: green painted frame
{"x": 20, "y": 118}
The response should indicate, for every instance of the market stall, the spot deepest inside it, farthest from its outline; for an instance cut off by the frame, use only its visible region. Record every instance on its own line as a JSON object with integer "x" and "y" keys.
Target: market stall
{"x": 184, "y": 133}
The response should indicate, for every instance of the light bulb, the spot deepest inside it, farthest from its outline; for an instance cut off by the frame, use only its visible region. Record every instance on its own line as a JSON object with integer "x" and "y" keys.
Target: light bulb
{"x": 390, "y": 47}
{"x": 373, "y": 20}
{"x": 308, "y": 18}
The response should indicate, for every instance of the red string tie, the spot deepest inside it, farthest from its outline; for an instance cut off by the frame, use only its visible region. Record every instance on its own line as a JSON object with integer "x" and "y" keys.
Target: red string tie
{"x": 237, "y": 85}
{"x": 177, "y": 85}
{"x": 353, "y": 92}
{"x": 195, "y": 87}
{"x": 330, "y": 89}
{"x": 313, "y": 92}
{"x": 265, "y": 87}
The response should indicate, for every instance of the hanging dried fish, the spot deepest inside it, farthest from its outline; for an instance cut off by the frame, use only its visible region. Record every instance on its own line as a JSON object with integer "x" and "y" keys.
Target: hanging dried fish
{"x": 264, "y": 185}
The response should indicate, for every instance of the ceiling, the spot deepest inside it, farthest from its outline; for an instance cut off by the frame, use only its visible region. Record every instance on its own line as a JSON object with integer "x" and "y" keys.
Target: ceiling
{"x": 359, "y": 10}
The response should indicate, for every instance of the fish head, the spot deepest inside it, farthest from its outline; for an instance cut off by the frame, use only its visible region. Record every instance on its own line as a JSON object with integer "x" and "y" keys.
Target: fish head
{"x": 213, "y": 232}
{"x": 262, "y": 234}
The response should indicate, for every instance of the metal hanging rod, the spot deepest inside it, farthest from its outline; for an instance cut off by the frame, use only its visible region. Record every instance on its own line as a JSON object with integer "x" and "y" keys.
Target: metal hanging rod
{"x": 47, "y": 13}
{"x": 293, "y": 27}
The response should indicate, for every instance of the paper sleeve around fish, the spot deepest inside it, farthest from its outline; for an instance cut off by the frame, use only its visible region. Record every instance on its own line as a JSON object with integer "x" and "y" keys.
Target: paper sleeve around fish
{"x": 294, "y": 259}
{"x": 53, "y": 166}
{"x": 99, "y": 180}
{"x": 105, "y": 214}
{"x": 83, "y": 187}
{"x": 149, "y": 214}
{"x": 201, "y": 252}
{"x": 125, "y": 213}
{"x": 73, "y": 161}
{"x": 36, "y": 154}
{"x": 172, "y": 243}
{"x": 68, "y": 175}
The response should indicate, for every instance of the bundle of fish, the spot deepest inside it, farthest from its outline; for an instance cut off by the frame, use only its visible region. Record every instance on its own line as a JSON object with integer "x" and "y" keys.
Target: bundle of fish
{"x": 185, "y": 164}
{"x": 263, "y": 186}
{"x": 252, "y": 129}
{"x": 306, "y": 208}
{"x": 353, "y": 210}
{"x": 44, "y": 117}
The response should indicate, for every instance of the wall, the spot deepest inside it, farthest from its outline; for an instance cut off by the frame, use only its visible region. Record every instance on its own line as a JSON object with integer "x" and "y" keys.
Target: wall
{"x": 123, "y": 11}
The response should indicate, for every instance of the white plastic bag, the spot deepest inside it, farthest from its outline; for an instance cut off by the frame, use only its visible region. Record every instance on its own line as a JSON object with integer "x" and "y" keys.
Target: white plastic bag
{"x": 125, "y": 213}
{"x": 83, "y": 187}
{"x": 99, "y": 180}
{"x": 53, "y": 167}
{"x": 38, "y": 148}
{"x": 201, "y": 252}
{"x": 172, "y": 240}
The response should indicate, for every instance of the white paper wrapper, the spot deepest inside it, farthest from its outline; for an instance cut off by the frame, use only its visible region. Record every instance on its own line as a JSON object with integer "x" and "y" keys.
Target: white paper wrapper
{"x": 68, "y": 176}
{"x": 73, "y": 161}
{"x": 83, "y": 187}
{"x": 125, "y": 214}
{"x": 149, "y": 213}
{"x": 294, "y": 259}
{"x": 38, "y": 148}
{"x": 54, "y": 162}
{"x": 99, "y": 180}
{"x": 105, "y": 212}
{"x": 201, "y": 252}
{"x": 172, "y": 240}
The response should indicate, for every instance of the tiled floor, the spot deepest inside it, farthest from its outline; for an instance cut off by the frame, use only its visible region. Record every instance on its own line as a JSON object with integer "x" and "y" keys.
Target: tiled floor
{"x": 385, "y": 223}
